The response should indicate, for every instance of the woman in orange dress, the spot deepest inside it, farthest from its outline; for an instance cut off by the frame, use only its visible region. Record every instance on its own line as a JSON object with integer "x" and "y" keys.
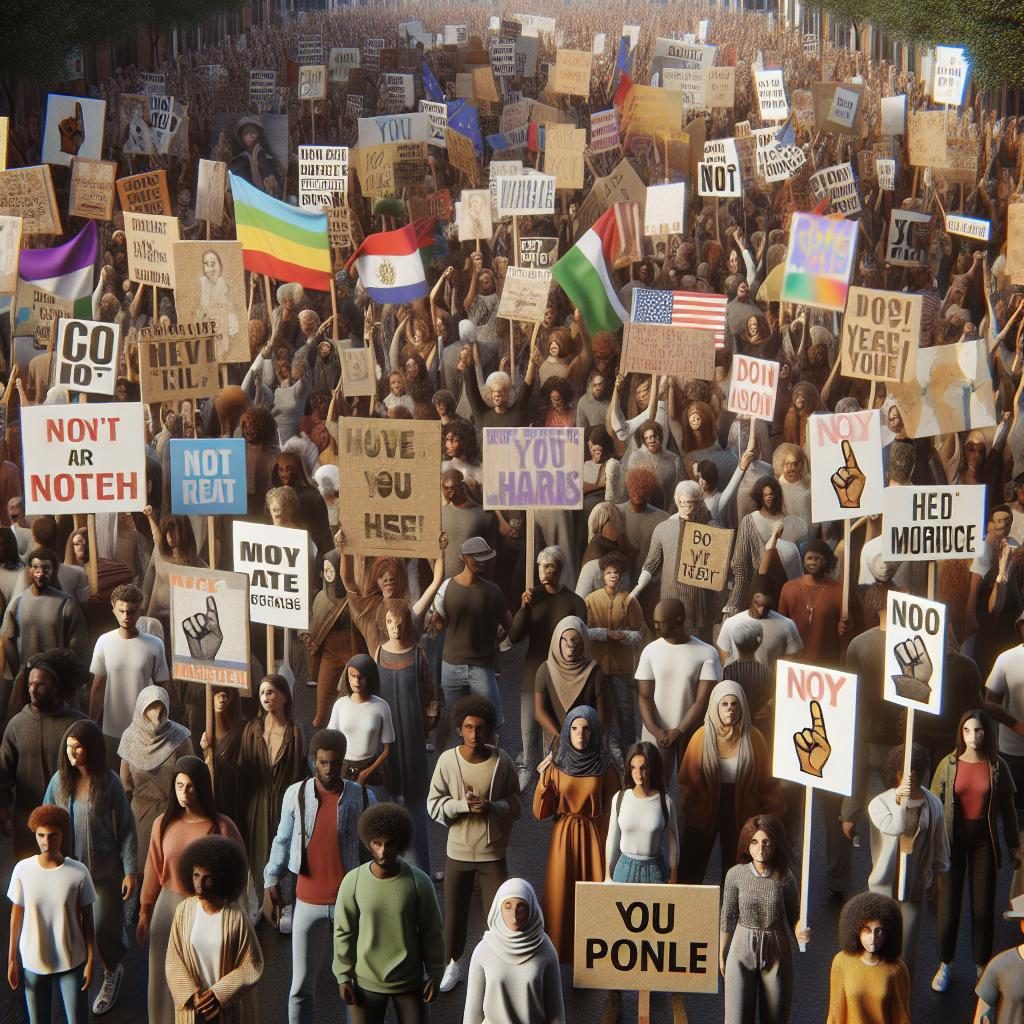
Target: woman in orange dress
{"x": 576, "y": 788}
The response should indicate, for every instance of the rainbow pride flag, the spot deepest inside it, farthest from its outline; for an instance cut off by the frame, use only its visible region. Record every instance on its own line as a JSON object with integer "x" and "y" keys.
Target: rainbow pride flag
{"x": 281, "y": 241}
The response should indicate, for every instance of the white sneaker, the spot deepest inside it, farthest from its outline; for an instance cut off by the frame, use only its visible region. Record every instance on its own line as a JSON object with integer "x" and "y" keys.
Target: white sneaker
{"x": 284, "y": 925}
{"x": 941, "y": 980}
{"x": 452, "y": 976}
{"x": 311, "y": 682}
{"x": 108, "y": 991}
{"x": 525, "y": 776}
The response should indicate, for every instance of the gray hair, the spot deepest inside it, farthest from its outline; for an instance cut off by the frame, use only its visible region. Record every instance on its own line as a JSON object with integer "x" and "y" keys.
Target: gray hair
{"x": 556, "y": 556}
{"x": 603, "y": 513}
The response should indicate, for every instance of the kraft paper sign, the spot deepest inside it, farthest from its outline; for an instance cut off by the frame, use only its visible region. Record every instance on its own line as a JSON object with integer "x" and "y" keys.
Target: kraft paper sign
{"x": 179, "y": 362}
{"x": 27, "y": 192}
{"x": 212, "y": 187}
{"x": 150, "y": 253}
{"x": 92, "y": 189}
{"x": 572, "y": 72}
{"x": 533, "y": 467}
{"x": 881, "y": 331}
{"x": 210, "y": 286}
{"x": 145, "y": 193}
{"x": 704, "y": 553}
{"x": 684, "y": 352}
{"x": 524, "y": 294}
{"x": 1014, "y": 241}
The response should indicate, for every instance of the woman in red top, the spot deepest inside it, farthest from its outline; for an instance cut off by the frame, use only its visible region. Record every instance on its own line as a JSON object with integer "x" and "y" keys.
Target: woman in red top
{"x": 975, "y": 788}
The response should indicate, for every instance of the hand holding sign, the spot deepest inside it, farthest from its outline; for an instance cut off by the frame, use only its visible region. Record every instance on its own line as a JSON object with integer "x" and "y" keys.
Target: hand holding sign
{"x": 915, "y": 664}
{"x": 848, "y": 481}
{"x": 812, "y": 745}
{"x": 203, "y": 632}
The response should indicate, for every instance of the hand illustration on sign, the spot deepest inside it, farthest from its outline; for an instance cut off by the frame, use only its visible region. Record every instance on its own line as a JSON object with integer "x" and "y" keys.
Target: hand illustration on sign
{"x": 72, "y": 132}
{"x": 848, "y": 481}
{"x": 812, "y": 745}
{"x": 203, "y": 632}
{"x": 914, "y": 680}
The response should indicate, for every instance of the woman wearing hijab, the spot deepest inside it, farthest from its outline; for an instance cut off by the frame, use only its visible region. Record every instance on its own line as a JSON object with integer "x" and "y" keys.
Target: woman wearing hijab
{"x": 724, "y": 779}
{"x": 514, "y": 976}
{"x": 569, "y": 678}
{"x": 576, "y": 788}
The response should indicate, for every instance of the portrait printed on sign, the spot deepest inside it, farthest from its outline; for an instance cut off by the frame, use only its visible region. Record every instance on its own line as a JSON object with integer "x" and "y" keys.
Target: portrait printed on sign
{"x": 915, "y": 650}
{"x": 211, "y": 287}
{"x": 74, "y": 127}
{"x": 475, "y": 215}
{"x": 846, "y": 465}
{"x": 357, "y": 372}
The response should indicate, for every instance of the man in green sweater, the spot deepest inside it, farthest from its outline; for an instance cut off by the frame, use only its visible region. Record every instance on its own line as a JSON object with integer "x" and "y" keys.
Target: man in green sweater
{"x": 387, "y": 926}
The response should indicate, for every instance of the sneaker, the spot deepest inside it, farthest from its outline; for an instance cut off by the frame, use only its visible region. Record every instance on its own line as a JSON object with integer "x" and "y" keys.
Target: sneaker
{"x": 311, "y": 682}
{"x": 525, "y": 776}
{"x": 284, "y": 926}
{"x": 452, "y": 976}
{"x": 941, "y": 980}
{"x": 108, "y": 991}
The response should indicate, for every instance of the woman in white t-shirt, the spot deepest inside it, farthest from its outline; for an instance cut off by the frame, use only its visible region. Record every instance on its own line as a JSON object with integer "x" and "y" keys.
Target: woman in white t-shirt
{"x": 51, "y": 923}
{"x": 365, "y": 720}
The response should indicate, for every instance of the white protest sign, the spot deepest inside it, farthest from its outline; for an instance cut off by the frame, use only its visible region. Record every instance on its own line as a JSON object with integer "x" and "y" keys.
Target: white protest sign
{"x": 885, "y": 172}
{"x": 839, "y": 185}
{"x": 376, "y": 131}
{"x": 341, "y": 60}
{"x": 85, "y": 356}
{"x": 323, "y": 176}
{"x": 313, "y": 82}
{"x": 771, "y": 95}
{"x": 86, "y": 457}
{"x": 604, "y": 131}
{"x": 922, "y": 524}
{"x": 526, "y": 194}
{"x": 754, "y": 385}
{"x": 950, "y": 75}
{"x": 894, "y": 115}
{"x": 846, "y": 465}
{"x": 719, "y": 179}
{"x": 969, "y": 227}
{"x": 693, "y": 54}
{"x": 665, "y": 212}
{"x": 261, "y": 88}
{"x": 906, "y": 243}
{"x": 690, "y": 82}
{"x": 276, "y": 560}
{"x": 843, "y": 110}
{"x": 721, "y": 151}
{"x": 915, "y": 650}
{"x": 533, "y": 467}
{"x": 437, "y": 116}
{"x": 815, "y": 712}
{"x": 598, "y": 48}
{"x": 503, "y": 59}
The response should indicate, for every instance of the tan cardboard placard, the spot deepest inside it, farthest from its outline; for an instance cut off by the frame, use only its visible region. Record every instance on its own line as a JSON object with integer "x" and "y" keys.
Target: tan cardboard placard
{"x": 475, "y": 215}
{"x": 704, "y": 553}
{"x": 572, "y": 72}
{"x": 483, "y": 85}
{"x": 36, "y": 312}
{"x": 623, "y": 185}
{"x": 824, "y": 94}
{"x": 92, "y": 189}
{"x": 462, "y": 155}
{"x": 180, "y": 362}
{"x": 926, "y": 138}
{"x": 662, "y": 349}
{"x": 659, "y": 938}
{"x": 313, "y": 82}
{"x": 27, "y": 192}
{"x": 881, "y": 330}
{"x": 392, "y": 502}
{"x": 210, "y": 191}
{"x": 1015, "y": 243}
{"x": 647, "y": 109}
{"x": 145, "y": 193}
{"x": 210, "y": 286}
{"x": 10, "y": 247}
{"x": 150, "y": 257}
{"x": 563, "y": 155}
{"x": 720, "y": 87}
{"x": 5, "y": 123}
{"x": 524, "y": 294}
{"x": 358, "y": 372}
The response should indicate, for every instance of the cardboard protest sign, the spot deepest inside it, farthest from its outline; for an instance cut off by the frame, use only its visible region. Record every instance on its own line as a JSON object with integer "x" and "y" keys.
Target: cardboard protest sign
{"x": 907, "y": 239}
{"x": 10, "y": 246}
{"x": 5, "y": 124}
{"x": 563, "y": 155}
{"x": 915, "y": 652}
{"x": 533, "y": 467}
{"x": 526, "y": 194}
{"x": 312, "y": 82}
{"x": 524, "y": 294}
{"x": 704, "y": 554}
{"x": 754, "y": 386}
{"x": 719, "y": 179}
{"x": 178, "y": 362}
{"x": 974, "y": 228}
{"x": 685, "y": 352}
{"x": 604, "y": 131}
{"x": 846, "y": 465}
{"x": 36, "y": 312}
{"x": 208, "y": 476}
{"x": 358, "y": 372}
{"x": 475, "y": 215}
{"x": 623, "y": 185}
{"x": 720, "y": 88}
{"x": 949, "y": 75}
{"x": 150, "y": 238}
{"x": 276, "y": 560}
{"x": 483, "y": 85}
{"x": 815, "y": 712}
{"x": 690, "y": 83}
{"x": 392, "y": 504}
{"x": 1014, "y": 239}
{"x": 27, "y": 192}
{"x": 538, "y": 252}
{"x": 462, "y": 154}
{"x": 921, "y": 524}
{"x": 572, "y": 72}
{"x": 74, "y": 127}
{"x": 837, "y": 107}
{"x": 881, "y": 331}
{"x": 87, "y": 457}
{"x": 86, "y": 356}
{"x": 819, "y": 261}
{"x": 665, "y": 212}
{"x": 211, "y": 188}
{"x": 92, "y": 189}
{"x": 340, "y": 60}
{"x": 145, "y": 193}
{"x": 323, "y": 176}
{"x": 647, "y": 109}
{"x": 839, "y": 185}
{"x": 210, "y": 286}
{"x": 661, "y": 938}
{"x": 210, "y": 627}
{"x": 771, "y": 95}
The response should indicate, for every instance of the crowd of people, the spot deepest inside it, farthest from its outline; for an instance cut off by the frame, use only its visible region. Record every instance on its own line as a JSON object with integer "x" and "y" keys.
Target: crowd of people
{"x": 647, "y": 705}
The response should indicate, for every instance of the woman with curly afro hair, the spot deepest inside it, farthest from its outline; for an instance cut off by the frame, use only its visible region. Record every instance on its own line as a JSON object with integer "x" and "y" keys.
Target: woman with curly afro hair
{"x": 870, "y": 984}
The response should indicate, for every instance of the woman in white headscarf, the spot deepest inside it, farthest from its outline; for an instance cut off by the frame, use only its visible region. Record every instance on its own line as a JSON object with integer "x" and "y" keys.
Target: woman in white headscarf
{"x": 514, "y": 976}
{"x": 328, "y": 481}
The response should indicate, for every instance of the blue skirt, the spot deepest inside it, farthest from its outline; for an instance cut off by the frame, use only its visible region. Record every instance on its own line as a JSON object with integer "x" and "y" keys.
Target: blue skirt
{"x": 640, "y": 869}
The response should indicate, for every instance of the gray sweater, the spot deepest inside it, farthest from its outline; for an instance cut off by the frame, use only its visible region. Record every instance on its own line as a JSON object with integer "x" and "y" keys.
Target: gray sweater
{"x": 29, "y": 752}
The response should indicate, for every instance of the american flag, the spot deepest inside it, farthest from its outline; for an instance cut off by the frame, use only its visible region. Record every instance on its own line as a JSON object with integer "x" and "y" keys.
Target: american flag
{"x": 703, "y": 310}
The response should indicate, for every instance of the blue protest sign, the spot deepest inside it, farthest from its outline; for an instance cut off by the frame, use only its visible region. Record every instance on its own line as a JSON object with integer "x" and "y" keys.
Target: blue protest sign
{"x": 208, "y": 477}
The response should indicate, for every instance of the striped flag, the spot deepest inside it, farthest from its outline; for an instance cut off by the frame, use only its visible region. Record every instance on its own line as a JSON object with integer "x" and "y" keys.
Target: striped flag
{"x": 702, "y": 310}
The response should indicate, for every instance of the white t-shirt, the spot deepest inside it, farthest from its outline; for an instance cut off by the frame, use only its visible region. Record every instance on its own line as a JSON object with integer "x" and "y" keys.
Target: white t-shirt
{"x": 1006, "y": 682}
{"x": 129, "y": 667}
{"x": 779, "y": 637}
{"x": 675, "y": 670}
{"x": 51, "y": 938}
{"x": 207, "y": 939}
{"x": 366, "y": 726}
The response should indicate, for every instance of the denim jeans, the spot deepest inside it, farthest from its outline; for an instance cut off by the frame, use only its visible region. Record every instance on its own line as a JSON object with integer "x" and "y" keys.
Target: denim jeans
{"x": 312, "y": 939}
{"x": 39, "y": 995}
{"x": 459, "y": 680}
{"x": 533, "y": 735}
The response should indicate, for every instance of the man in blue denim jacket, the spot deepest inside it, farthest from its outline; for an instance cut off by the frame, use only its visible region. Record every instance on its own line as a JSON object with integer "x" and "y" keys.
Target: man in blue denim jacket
{"x": 318, "y": 841}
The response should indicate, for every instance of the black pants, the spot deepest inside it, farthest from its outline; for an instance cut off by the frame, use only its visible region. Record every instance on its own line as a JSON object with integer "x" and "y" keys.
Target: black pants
{"x": 695, "y": 846}
{"x": 458, "y": 893}
{"x": 971, "y": 855}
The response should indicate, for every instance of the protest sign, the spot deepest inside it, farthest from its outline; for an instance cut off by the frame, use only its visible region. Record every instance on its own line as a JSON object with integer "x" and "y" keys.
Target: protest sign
{"x": 685, "y": 352}
{"x": 387, "y": 128}
{"x": 819, "y": 261}
{"x": 572, "y": 72}
{"x": 661, "y": 938}
{"x": 524, "y": 294}
{"x": 846, "y": 465}
{"x": 92, "y": 189}
{"x": 358, "y": 372}
{"x": 392, "y": 505}
{"x": 563, "y": 155}
{"x": 437, "y": 118}
{"x": 815, "y": 712}
{"x": 397, "y": 92}
{"x": 885, "y": 171}
{"x": 462, "y": 156}
{"x": 921, "y": 524}
{"x": 313, "y": 82}
{"x": 538, "y": 252}
{"x": 165, "y": 118}
{"x": 210, "y": 286}
{"x": 647, "y": 109}
{"x": 1014, "y": 240}
{"x": 894, "y": 114}
{"x": 839, "y": 185}
{"x": 87, "y": 457}
{"x": 211, "y": 189}
{"x": 36, "y": 312}
{"x": 276, "y": 560}
{"x": 907, "y": 239}
{"x": 533, "y": 467}
{"x": 150, "y": 238}
{"x": 10, "y": 246}
{"x": 665, "y": 212}
{"x": 690, "y": 53}
{"x": 754, "y": 386}
{"x": 503, "y": 58}
{"x": 210, "y": 627}
{"x": 927, "y": 138}
{"x": 771, "y": 95}
{"x": 483, "y": 85}
{"x": 881, "y": 330}
{"x": 843, "y": 109}
{"x": 604, "y": 131}
{"x": 340, "y": 61}
{"x": 720, "y": 88}
{"x": 178, "y": 362}
{"x": 690, "y": 83}
{"x": 719, "y": 179}
{"x": 526, "y": 194}
{"x": 261, "y": 89}
{"x": 323, "y": 176}
{"x": 152, "y": 83}
{"x": 949, "y": 75}
{"x": 915, "y": 651}
{"x": 145, "y": 193}
{"x": 475, "y": 215}
{"x": 310, "y": 49}
{"x": 85, "y": 356}
{"x": 74, "y": 127}
{"x": 704, "y": 553}
{"x": 969, "y": 227}
{"x": 5, "y": 124}
{"x": 27, "y": 192}
{"x": 208, "y": 476}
